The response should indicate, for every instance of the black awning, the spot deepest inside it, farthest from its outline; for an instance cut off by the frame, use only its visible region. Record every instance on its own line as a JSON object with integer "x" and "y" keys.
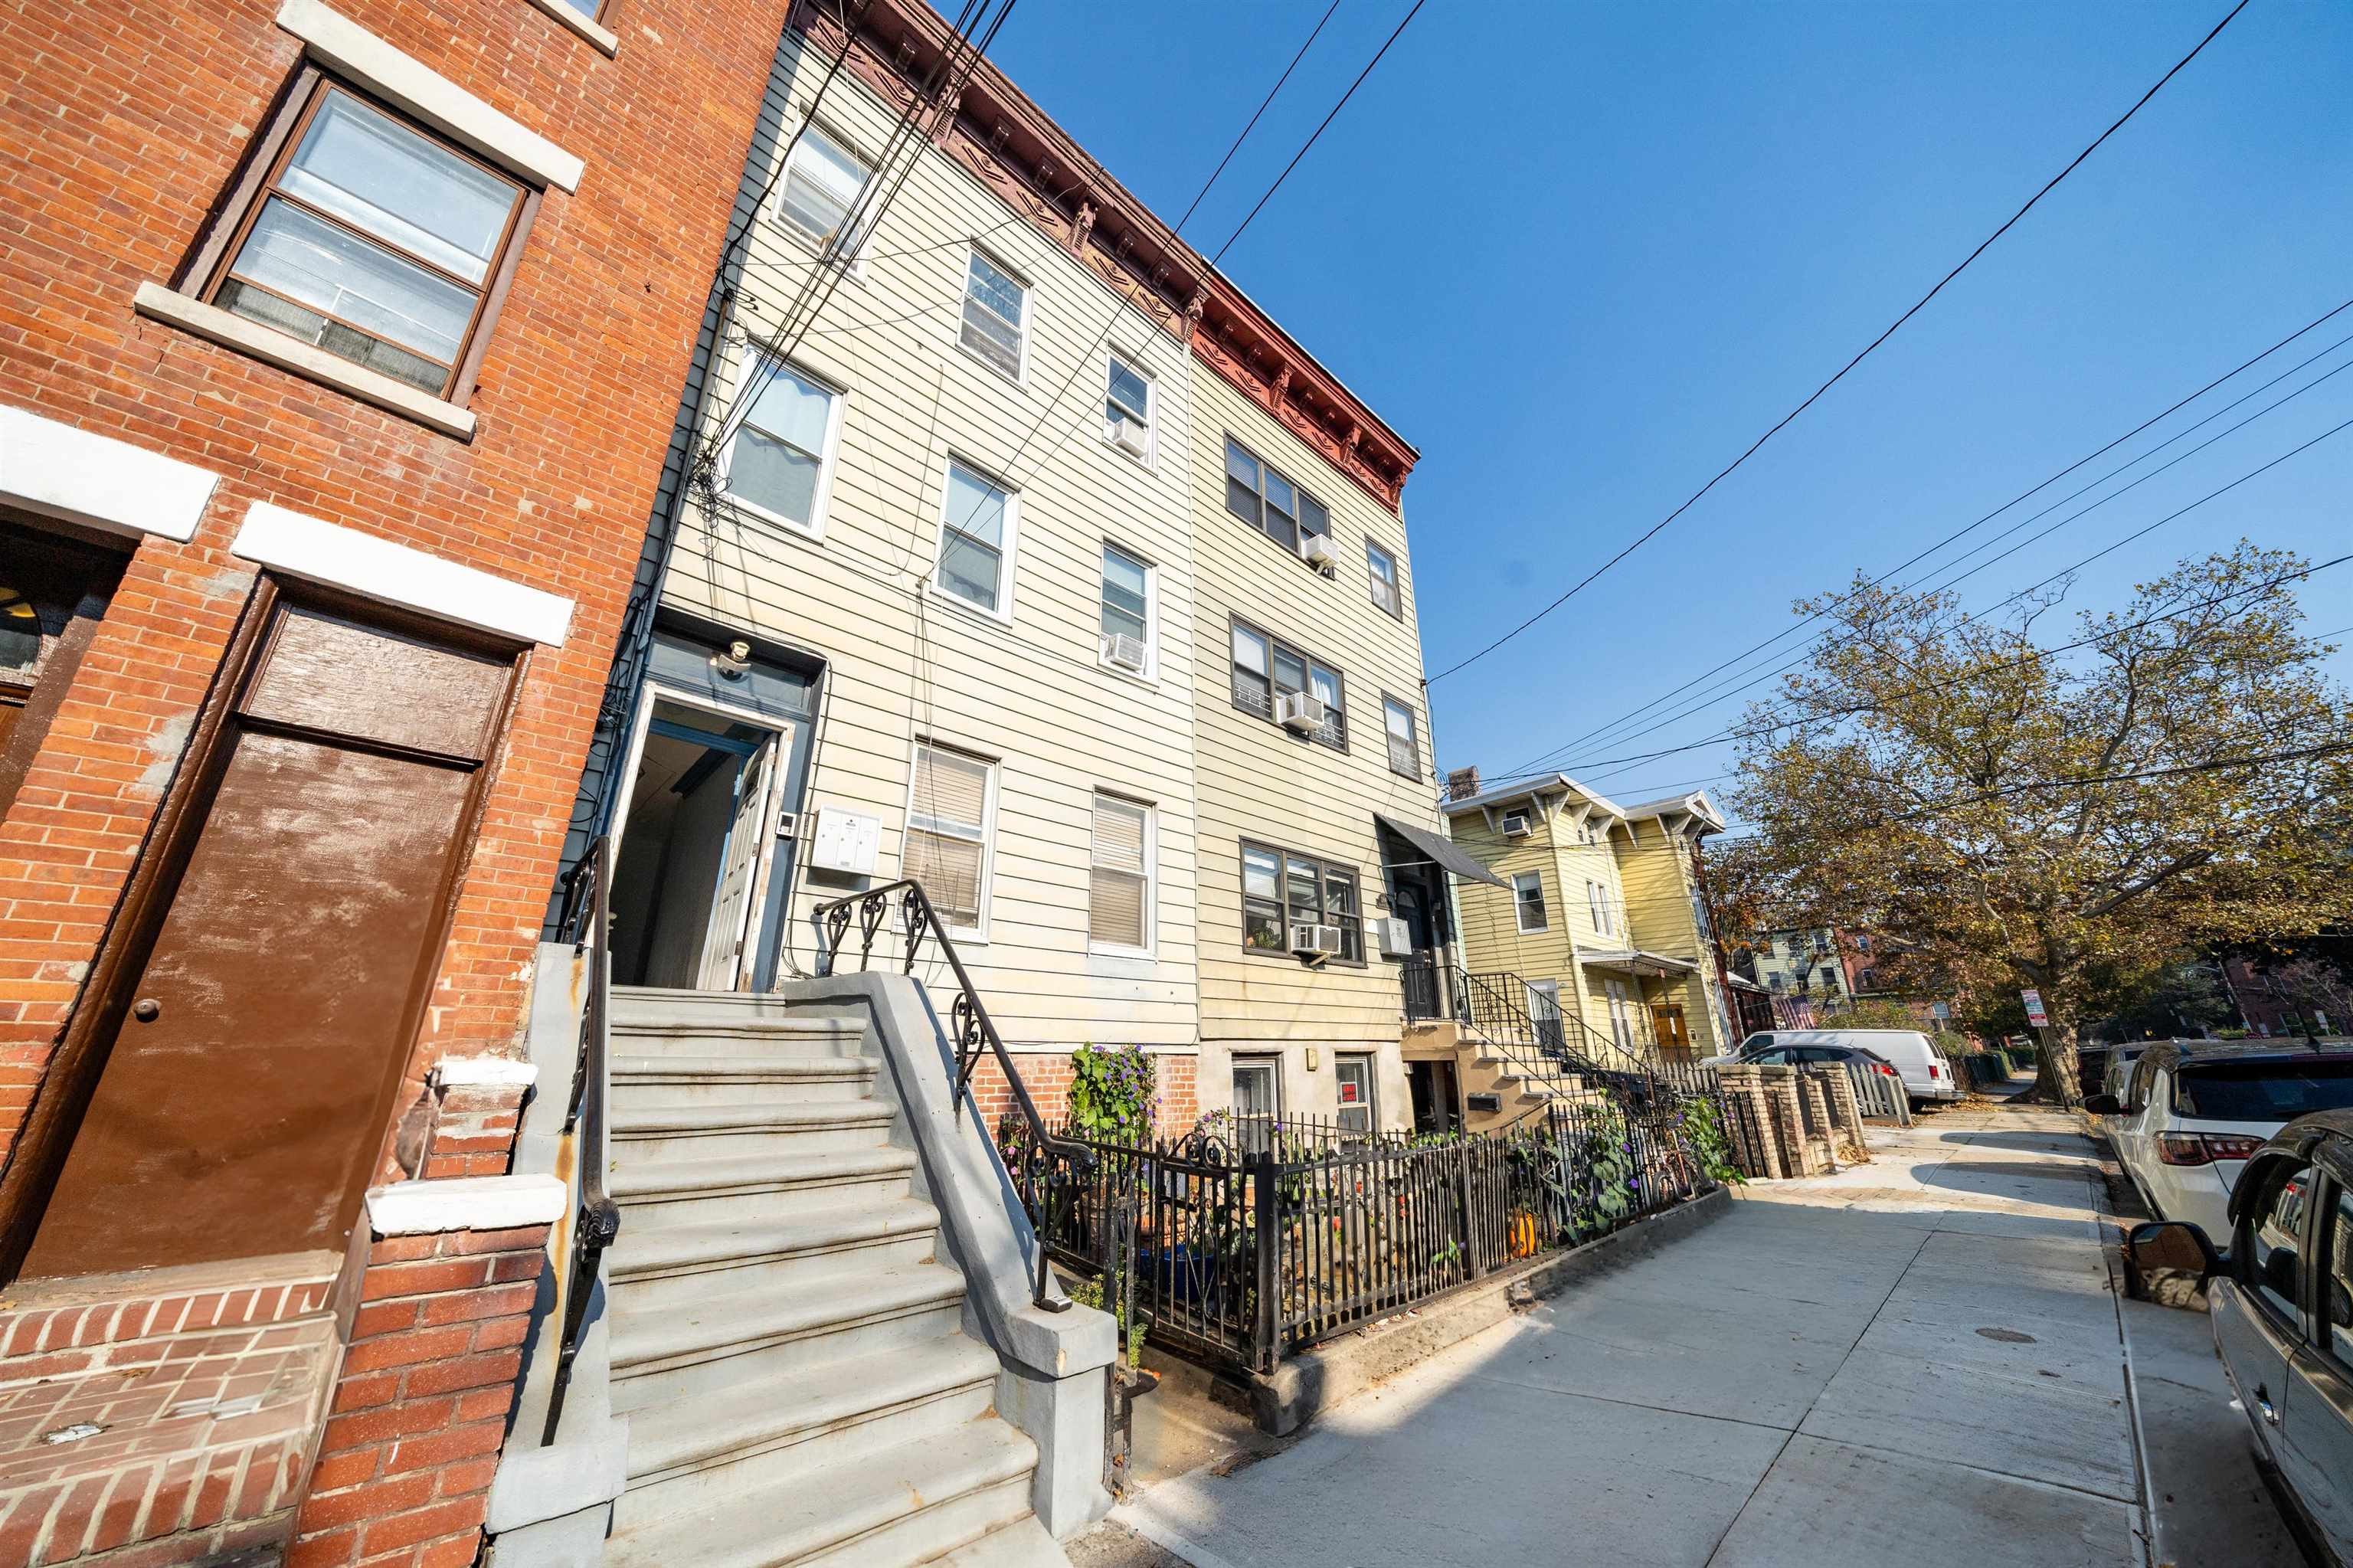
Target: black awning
{"x": 1441, "y": 850}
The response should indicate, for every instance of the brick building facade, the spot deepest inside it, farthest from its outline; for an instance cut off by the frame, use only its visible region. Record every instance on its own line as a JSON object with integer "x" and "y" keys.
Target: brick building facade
{"x": 237, "y": 490}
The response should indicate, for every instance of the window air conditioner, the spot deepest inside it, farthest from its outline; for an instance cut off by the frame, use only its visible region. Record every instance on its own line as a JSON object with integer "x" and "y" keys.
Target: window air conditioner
{"x": 1315, "y": 942}
{"x": 1120, "y": 649}
{"x": 1517, "y": 826}
{"x": 1129, "y": 435}
{"x": 1397, "y": 937}
{"x": 1301, "y": 711}
{"x": 1316, "y": 550}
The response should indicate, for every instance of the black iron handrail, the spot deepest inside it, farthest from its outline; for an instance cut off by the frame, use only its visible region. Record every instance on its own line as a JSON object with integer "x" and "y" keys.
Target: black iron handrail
{"x": 918, "y": 921}
{"x": 596, "y": 1221}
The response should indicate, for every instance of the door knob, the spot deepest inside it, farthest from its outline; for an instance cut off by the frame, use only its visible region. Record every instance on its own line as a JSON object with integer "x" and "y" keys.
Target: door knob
{"x": 147, "y": 1010}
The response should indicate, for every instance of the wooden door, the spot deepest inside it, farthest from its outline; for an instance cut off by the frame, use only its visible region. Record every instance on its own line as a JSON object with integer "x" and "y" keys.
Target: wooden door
{"x": 254, "y": 1046}
{"x": 1667, "y": 1022}
{"x": 739, "y": 872}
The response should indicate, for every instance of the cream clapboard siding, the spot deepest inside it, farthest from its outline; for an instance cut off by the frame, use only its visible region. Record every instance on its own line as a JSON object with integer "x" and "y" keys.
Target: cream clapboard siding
{"x": 1654, "y": 867}
{"x": 1257, "y": 781}
{"x": 903, "y": 660}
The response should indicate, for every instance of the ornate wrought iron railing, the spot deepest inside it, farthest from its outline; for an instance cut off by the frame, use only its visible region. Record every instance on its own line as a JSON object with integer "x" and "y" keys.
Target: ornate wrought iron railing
{"x": 596, "y": 1219}
{"x": 905, "y": 909}
{"x": 1495, "y": 1004}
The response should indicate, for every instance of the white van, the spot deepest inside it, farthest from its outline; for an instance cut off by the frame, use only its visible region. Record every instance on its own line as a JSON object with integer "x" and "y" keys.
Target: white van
{"x": 1927, "y": 1075}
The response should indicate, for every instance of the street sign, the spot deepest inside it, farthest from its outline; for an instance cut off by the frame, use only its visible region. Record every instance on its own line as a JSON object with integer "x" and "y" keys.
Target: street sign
{"x": 2034, "y": 1013}
{"x": 1940, "y": 1009}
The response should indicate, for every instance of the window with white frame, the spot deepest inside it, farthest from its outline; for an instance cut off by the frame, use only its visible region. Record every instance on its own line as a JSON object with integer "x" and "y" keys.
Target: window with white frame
{"x": 1405, "y": 745}
{"x": 977, "y": 537}
{"x": 1382, "y": 568}
{"x": 1127, "y": 408}
{"x": 949, "y": 804}
{"x": 1126, "y": 610}
{"x": 1621, "y": 1014}
{"x": 1528, "y": 901}
{"x": 1358, "y": 1112}
{"x": 1599, "y": 902}
{"x": 1119, "y": 886}
{"x": 996, "y": 306}
{"x": 823, "y": 182}
{"x": 776, "y": 459}
{"x": 1261, "y": 496}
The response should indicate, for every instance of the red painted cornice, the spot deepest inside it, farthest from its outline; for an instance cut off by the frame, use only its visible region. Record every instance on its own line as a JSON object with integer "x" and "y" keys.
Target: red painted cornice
{"x": 1018, "y": 151}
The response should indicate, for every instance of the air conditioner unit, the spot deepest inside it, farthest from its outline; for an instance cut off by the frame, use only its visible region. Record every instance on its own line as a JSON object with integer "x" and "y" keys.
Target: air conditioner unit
{"x": 1129, "y": 435}
{"x": 1316, "y": 550}
{"x": 1120, "y": 649}
{"x": 1397, "y": 937}
{"x": 1301, "y": 711}
{"x": 1517, "y": 826}
{"x": 1315, "y": 942}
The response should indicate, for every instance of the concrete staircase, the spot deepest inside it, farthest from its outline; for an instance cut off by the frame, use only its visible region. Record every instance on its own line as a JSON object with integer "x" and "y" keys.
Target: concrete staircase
{"x": 786, "y": 1345}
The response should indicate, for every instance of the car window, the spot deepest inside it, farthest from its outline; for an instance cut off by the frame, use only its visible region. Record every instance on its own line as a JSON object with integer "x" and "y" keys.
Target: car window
{"x": 1779, "y": 1056}
{"x": 2339, "y": 1306}
{"x": 1755, "y": 1041}
{"x": 2274, "y": 1226}
{"x": 2263, "y": 1091}
{"x": 1820, "y": 1053}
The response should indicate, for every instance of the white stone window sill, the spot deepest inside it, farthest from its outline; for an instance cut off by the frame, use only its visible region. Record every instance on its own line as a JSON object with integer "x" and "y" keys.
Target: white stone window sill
{"x": 581, "y": 25}
{"x": 464, "y": 1203}
{"x": 292, "y": 354}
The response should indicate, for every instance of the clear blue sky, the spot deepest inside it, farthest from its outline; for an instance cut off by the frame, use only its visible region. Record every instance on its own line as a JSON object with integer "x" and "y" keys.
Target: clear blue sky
{"x": 1582, "y": 255}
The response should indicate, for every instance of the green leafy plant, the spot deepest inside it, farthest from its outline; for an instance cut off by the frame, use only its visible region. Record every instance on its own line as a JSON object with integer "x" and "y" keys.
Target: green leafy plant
{"x": 1113, "y": 1096}
{"x": 1704, "y": 1131}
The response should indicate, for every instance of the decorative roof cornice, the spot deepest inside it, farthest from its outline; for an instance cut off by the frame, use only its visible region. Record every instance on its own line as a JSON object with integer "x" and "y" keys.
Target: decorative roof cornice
{"x": 1016, "y": 150}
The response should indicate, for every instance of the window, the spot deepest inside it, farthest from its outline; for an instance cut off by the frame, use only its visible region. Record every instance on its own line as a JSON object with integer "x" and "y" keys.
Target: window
{"x": 1358, "y": 1112}
{"x": 1127, "y": 408}
{"x": 1544, "y": 1012}
{"x": 993, "y": 315}
{"x": 776, "y": 460}
{"x": 1258, "y": 1101}
{"x": 1119, "y": 886}
{"x": 949, "y": 804}
{"x": 1621, "y": 1014}
{"x": 1405, "y": 746}
{"x": 1381, "y": 566}
{"x": 2274, "y": 1225}
{"x": 371, "y": 240}
{"x": 977, "y": 528}
{"x": 1266, "y": 668}
{"x": 1264, "y": 499}
{"x": 1127, "y": 610}
{"x": 2337, "y": 1311}
{"x": 1280, "y": 889}
{"x": 1597, "y": 902}
{"x": 2277, "y": 1091}
{"x": 823, "y": 182}
{"x": 1528, "y": 901}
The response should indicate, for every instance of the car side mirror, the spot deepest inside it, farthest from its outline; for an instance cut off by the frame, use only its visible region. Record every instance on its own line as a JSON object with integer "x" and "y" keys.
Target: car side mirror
{"x": 2171, "y": 1261}
{"x": 2103, "y": 1104}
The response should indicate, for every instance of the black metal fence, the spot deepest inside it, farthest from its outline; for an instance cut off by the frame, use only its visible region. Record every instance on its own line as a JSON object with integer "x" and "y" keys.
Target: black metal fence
{"x": 1256, "y": 1239}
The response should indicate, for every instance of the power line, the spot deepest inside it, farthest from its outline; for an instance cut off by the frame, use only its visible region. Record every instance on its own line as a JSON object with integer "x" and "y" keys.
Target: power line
{"x": 1246, "y": 129}
{"x": 1812, "y": 397}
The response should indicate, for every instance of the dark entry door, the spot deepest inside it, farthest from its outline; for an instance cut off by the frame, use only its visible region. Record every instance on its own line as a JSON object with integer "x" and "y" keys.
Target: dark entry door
{"x": 1435, "y": 1108}
{"x": 244, "y": 1099}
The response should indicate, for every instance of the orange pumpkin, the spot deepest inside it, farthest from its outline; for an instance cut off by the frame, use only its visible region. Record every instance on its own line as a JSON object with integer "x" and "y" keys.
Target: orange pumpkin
{"x": 1521, "y": 1236}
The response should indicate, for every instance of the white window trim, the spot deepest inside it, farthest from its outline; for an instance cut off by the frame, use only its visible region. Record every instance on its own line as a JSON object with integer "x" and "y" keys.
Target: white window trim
{"x": 1150, "y": 674}
{"x": 747, "y": 362}
{"x": 1396, "y": 578}
{"x": 1272, "y": 1060}
{"x": 964, "y": 286}
{"x": 854, "y": 262}
{"x": 587, "y": 27}
{"x": 1371, "y": 1062}
{"x": 1519, "y": 907}
{"x": 400, "y": 574}
{"x": 1150, "y": 457}
{"x": 1003, "y": 614}
{"x": 977, "y": 936}
{"x": 78, "y": 476}
{"x": 1151, "y": 947}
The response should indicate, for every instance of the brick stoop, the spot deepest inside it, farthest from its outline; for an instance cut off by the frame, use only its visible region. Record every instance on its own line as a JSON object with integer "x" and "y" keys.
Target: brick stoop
{"x": 205, "y": 1403}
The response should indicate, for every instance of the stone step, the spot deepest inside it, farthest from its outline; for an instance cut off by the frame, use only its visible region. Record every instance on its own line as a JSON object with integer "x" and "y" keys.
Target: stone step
{"x": 676, "y": 1265}
{"x": 906, "y": 1506}
{"x": 727, "y": 1128}
{"x": 645, "y": 1184}
{"x": 723, "y": 1337}
{"x": 740, "y": 1037}
{"x": 678, "y": 1079}
{"x": 1022, "y": 1544}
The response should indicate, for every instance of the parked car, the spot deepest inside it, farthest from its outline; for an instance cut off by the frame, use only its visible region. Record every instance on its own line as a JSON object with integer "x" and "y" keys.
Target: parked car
{"x": 1824, "y": 1056}
{"x": 2192, "y": 1112}
{"x": 1927, "y": 1075}
{"x": 2282, "y": 1316}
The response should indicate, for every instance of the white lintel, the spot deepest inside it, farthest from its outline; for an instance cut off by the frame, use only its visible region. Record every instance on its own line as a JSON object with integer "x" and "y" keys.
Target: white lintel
{"x": 79, "y": 476}
{"x": 477, "y": 1072}
{"x": 400, "y": 574}
{"x": 464, "y": 1203}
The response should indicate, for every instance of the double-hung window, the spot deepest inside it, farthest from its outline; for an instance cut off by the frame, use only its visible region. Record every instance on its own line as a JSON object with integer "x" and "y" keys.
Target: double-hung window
{"x": 949, "y": 804}
{"x": 1126, "y": 611}
{"x": 1405, "y": 745}
{"x": 1262, "y": 497}
{"x": 996, "y": 306}
{"x": 1598, "y": 901}
{"x": 823, "y": 183}
{"x": 371, "y": 240}
{"x": 1127, "y": 408}
{"x": 1119, "y": 885}
{"x": 1382, "y": 568}
{"x": 776, "y": 459}
{"x": 1266, "y": 668}
{"x": 1282, "y": 889}
{"x": 1353, "y": 1076}
{"x": 1528, "y": 901}
{"x": 976, "y": 537}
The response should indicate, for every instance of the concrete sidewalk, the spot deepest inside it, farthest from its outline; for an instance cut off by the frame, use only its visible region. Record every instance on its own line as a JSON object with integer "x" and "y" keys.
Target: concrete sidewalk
{"x": 1915, "y": 1361}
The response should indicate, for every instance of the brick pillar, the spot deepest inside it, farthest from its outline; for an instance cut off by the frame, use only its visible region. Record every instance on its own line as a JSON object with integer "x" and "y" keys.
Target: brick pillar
{"x": 1799, "y": 1153}
{"x": 420, "y": 1407}
{"x": 1749, "y": 1123}
{"x": 1846, "y": 1115}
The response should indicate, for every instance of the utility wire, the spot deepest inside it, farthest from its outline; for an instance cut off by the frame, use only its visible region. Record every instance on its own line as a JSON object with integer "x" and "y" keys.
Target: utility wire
{"x": 1787, "y": 419}
{"x": 1246, "y": 129}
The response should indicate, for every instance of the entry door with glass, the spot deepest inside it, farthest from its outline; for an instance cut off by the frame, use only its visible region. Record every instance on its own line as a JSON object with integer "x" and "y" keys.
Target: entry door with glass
{"x": 1544, "y": 1012}
{"x": 1258, "y": 1101}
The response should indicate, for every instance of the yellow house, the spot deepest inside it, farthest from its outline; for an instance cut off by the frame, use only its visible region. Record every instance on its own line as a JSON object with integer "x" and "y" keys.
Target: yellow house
{"x": 1601, "y": 920}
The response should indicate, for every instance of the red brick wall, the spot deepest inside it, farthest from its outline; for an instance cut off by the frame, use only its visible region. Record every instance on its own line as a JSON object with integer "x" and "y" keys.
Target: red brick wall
{"x": 404, "y": 1472}
{"x": 125, "y": 120}
{"x": 1048, "y": 1078}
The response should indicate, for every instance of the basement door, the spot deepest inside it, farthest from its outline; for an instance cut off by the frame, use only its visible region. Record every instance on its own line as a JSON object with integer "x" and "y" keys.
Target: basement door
{"x": 250, "y": 1064}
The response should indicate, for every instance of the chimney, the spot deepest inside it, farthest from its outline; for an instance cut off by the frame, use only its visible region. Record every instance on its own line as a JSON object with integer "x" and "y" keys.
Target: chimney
{"x": 1461, "y": 783}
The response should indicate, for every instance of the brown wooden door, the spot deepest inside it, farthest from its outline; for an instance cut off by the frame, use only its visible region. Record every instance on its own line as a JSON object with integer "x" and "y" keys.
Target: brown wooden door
{"x": 247, "y": 1091}
{"x": 1667, "y": 1021}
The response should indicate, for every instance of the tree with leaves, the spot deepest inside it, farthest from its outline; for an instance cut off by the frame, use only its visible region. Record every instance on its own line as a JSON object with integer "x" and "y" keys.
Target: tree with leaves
{"x": 2065, "y": 815}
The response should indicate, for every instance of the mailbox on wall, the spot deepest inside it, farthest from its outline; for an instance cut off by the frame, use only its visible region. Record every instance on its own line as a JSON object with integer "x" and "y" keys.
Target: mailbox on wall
{"x": 845, "y": 841}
